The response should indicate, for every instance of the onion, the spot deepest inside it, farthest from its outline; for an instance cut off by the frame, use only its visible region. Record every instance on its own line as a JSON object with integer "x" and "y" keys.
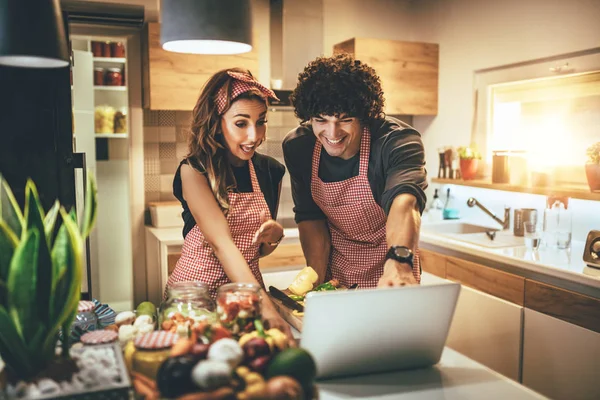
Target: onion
{"x": 284, "y": 388}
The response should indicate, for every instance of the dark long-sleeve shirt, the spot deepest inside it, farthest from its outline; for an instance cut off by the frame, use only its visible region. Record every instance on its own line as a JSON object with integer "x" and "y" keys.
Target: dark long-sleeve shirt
{"x": 396, "y": 166}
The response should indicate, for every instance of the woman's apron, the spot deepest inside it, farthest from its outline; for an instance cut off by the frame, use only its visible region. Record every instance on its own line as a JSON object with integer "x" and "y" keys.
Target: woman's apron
{"x": 198, "y": 261}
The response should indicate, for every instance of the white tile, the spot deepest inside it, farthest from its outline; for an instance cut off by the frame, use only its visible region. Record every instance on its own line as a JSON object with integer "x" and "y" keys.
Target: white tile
{"x": 151, "y": 134}
{"x": 166, "y": 183}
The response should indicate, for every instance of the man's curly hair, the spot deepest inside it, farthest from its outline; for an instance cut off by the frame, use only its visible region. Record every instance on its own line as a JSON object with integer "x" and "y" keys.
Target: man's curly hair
{"x": 338, "y": 85}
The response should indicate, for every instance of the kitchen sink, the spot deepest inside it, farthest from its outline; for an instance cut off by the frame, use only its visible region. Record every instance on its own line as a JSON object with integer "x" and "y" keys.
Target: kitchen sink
{"x": 474, "y": 234}
{"x": 456, "y": 228}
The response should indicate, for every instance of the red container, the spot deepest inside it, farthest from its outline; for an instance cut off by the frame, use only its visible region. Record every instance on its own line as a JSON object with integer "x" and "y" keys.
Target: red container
{"x": 117, "y": 49}
{"x": 468, "y": 168}
{"x": 98, "y": 76}
{"x": 106, "y": 49}
{"x": 97, "y": 49}
{"x": 114, "y": 77}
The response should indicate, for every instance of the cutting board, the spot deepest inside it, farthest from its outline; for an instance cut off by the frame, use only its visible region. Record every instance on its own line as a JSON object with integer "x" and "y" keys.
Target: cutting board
{"x": 286, "y": 313}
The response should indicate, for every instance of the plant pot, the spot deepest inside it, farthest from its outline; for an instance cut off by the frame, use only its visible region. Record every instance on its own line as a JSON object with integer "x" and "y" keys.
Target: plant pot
{"x": 592, "y": 172}
{"x": 468, "y": 168}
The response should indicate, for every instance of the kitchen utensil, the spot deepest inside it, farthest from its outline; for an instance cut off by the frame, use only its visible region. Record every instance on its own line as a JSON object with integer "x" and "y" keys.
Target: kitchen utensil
{"x": 285, "y": 299}
{"x": 591, "y": 252}
{"x": 521, "y": 216}
{"x": 353, "y": 286}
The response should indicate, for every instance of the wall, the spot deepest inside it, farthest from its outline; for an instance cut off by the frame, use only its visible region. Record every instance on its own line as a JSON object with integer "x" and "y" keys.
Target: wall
{"x": 487, "y": 33}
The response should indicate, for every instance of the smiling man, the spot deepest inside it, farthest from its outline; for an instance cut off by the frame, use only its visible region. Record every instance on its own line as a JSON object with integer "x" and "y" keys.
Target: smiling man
{"x": 358, "y": 177}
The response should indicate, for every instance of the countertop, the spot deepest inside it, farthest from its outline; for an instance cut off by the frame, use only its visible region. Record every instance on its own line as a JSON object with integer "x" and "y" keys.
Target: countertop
{"x": 454, "y": 377}
{"x": 563, "y": 268}
{"x": 174, "y": 236}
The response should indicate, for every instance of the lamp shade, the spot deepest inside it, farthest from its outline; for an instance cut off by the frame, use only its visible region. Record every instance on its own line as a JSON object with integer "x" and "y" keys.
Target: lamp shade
{"x": 206, "y": 26}
{"x": 32, "y": 35}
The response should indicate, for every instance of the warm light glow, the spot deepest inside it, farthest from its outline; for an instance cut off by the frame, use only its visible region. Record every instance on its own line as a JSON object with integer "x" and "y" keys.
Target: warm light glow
{"x": 207, "y": 47}
{"x": 32, "y": 62}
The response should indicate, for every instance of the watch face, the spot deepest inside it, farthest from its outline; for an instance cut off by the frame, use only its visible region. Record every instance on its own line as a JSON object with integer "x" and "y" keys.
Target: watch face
{"x": 402, "y": 252}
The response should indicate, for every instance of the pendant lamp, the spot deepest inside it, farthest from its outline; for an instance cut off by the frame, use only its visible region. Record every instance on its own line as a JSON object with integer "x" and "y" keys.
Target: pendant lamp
{"x": 206, "y": 26}
{"x": 32, "y": 36}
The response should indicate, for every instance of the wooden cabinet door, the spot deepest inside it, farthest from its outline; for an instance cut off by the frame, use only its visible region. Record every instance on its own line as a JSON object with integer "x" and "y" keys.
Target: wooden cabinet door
{"x": 173, "y": 81}
{"x": 408, "y": 72}
{"x": 432, "y": 262}
{"x": 488, "y": 330}
{"x": 560, "y": 360}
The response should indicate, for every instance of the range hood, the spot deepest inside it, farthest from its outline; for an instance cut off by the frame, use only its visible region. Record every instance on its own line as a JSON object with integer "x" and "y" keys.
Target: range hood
{"x": 88, "y": 12}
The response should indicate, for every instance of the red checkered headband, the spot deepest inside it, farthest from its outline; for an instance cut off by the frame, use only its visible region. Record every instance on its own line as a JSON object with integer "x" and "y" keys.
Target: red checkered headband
{"x": 241, "y": 83}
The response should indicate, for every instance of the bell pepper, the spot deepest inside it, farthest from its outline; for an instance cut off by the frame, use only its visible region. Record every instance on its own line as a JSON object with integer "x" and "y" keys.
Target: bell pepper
{"x": 274, "y": 337}
{"x": 331, "y": 285}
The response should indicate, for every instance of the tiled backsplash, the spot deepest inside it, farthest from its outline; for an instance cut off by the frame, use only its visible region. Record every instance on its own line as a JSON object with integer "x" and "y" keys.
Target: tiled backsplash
{"x": 165, "y": 146}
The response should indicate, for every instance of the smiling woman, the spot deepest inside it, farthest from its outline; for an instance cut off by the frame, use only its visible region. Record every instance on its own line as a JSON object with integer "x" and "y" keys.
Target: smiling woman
{"x": 228, "y": 191}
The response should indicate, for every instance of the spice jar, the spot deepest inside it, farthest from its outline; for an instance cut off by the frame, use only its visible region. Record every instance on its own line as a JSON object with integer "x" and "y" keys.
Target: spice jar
{"x": 114, "y": 77}
{"x": 120, "y": 122}
{"x": 187, "y": 303}
{"x": 98, "y": 76}
{"x": 150, "y": 351}
{"x": 97, "y": 48}
{"x": 238, "y": 305}
{"x": 117, "y": 49}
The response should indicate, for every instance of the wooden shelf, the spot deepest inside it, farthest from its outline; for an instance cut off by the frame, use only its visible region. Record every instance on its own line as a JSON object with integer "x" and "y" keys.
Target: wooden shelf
{"x": 111, "y": 88}
{"x": 112, "y": 135}
{"x": 113, "y": 60}
{"x": 574, "y": 191}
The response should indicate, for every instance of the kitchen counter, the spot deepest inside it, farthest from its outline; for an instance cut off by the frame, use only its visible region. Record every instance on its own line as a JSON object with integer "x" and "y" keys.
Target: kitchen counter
{"x": 562, "y": 268}
{"x": 454, "y": 377}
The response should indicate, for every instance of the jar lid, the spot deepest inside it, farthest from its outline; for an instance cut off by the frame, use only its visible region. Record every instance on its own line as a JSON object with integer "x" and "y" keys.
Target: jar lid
{"x": 156, "y": 340}
{"x": 85, "y": 306}
{"x": 99, "y": 337}
{"x": 98, "y": 69}
{"x": 114, "y": 70}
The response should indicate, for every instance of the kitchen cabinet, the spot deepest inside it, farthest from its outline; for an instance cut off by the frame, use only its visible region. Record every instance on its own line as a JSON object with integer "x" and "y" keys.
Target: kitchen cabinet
{"x": 488, "y": 330}
{"x": 173, "y": 81}
{"x": 408, "y": 72}
{"x": 560, "y": 360}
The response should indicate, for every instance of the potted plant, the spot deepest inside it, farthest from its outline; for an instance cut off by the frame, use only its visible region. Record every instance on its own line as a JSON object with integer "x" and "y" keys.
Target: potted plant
{"x": 469, "y": 162}
{"x": 40, "y": 281}
{"x": 592, "y": 167}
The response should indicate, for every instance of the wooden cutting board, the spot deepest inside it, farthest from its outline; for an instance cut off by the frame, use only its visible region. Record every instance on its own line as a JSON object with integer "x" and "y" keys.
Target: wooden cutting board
{"x": 286, "y": 313}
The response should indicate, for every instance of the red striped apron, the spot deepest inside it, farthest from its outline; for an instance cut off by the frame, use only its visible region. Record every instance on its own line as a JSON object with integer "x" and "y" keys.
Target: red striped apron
{"x": 356, "y": 223}
{"x": 198, "y": 261}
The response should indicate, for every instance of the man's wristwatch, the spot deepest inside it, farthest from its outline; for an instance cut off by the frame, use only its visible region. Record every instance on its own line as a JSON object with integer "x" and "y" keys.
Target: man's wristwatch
{"x": 401, "y": 254}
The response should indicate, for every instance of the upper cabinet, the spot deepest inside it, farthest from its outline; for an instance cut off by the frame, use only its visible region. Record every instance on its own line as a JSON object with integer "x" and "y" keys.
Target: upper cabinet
{"x": 408, "y": 72}
{"x": 173, "y": 81}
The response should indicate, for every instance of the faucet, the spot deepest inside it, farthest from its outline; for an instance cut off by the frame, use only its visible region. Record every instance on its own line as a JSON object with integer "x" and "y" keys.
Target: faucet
{"x": 505, "y": 224}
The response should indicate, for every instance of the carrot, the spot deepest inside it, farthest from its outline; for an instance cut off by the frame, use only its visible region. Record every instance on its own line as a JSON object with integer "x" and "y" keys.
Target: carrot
{"x": 224, "y": 393}
{"x": 181, "y": 347}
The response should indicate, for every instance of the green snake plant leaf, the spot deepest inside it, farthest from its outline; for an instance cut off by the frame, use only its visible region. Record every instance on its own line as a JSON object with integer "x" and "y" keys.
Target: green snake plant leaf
{"x": 8, "y": 244}
{"x": 50, "y": 221}
{"x": 22, "y": 283}
{"x": 34, "y": 217}
{"x": 9, "y": 208}
{"x": 91, "y": 207}
{"x": 67, "y": 254}
{"x": 12, "y": 347}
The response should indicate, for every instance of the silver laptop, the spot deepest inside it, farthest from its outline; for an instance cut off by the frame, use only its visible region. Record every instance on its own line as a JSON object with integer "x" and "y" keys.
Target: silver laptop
{"x": 356, "y": 332}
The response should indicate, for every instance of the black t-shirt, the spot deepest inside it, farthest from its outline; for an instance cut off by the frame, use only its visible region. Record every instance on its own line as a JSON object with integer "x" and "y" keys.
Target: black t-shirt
{"x": 396, "y": 166}
{"x": 269, "y": 173}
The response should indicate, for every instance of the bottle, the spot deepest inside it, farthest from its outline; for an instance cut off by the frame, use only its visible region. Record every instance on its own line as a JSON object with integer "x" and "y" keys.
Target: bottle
{"x": 557, "y": 226}
{"x": 450, "y": 212}
{"x": 437, "y": 208}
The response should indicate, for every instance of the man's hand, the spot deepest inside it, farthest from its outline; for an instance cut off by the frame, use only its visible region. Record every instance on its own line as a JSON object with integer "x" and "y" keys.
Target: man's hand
{"x": 270, "y": 230}
{"x": 396, "y": 274}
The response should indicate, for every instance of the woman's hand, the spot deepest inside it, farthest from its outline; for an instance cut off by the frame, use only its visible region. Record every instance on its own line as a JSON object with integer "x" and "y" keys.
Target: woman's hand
{"x": 270, "y": 231}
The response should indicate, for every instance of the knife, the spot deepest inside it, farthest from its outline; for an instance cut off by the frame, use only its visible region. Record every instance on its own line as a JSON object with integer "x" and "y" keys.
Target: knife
{"x": 289, "y": 303}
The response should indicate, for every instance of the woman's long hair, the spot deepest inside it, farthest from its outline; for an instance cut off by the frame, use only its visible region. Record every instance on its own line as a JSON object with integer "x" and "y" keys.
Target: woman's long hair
{"x": 206, "y": 145}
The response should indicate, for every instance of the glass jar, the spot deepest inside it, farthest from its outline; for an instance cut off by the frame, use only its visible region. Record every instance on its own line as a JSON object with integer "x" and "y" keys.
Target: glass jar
{"x": 104, "y": 119}
{"x": 238, "y": 305}
{"x": 85, "y": 320}
{"x": 120, "y": 122}
{"x": 97, "y": 48}
{"x": 187, "y": 303}
{"x": 98, "y": 76}
{"x": 106, "y": 49}
{"x": 113, "y": 77}
{"x": 149, "y": 352}
{"x": 117, "y": 49}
